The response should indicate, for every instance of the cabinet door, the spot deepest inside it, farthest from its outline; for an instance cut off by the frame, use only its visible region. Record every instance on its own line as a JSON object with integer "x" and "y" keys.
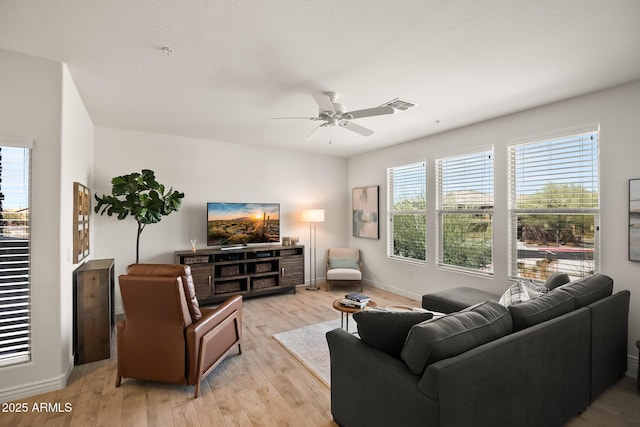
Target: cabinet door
{"x": 202, "y": 279}
{"x": 291, "y": 270}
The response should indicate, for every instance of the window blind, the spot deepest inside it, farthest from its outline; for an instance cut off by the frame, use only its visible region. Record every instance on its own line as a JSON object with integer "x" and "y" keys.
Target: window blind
{"x": 554, "y": 206}
{"x": 555, "y": 173}
{"x": 407, "y": 212}
{"x": 15, "y": 305}
{"x": 465, "y": 211}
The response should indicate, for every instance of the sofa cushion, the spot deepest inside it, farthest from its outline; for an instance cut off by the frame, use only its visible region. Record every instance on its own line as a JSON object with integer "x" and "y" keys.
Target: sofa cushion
{"x": 456, "y": 333}
{"x": 590, "y": 289}
{"x": 515, "y": 294}
{"x": 556, "y": 279}
{"x": 387, "y": 330}
{"x": 540, "y": 309}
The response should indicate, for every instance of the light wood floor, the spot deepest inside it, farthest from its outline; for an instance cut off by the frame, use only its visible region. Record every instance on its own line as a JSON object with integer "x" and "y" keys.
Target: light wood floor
{"x": 265, "y": 386}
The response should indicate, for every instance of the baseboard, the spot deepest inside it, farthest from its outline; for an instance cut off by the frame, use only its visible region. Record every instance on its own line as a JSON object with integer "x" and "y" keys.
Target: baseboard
{"x": 393, "y": 290}
{"x": 37, "y": 387}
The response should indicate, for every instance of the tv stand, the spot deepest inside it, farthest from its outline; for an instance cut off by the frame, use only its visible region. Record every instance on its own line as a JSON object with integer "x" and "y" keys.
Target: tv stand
{"x": 243, "y": 270}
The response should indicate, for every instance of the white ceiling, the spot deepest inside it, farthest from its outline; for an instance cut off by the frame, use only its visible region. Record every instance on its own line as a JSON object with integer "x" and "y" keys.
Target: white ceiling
{"x": 239, "y": 63}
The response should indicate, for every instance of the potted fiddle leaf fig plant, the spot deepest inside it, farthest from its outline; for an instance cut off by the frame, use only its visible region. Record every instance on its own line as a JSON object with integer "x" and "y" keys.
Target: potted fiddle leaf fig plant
{"x": 142, "y": 197}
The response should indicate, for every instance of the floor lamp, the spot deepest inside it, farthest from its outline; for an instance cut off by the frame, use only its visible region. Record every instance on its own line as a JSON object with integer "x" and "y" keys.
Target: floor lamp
{"x": 313, "y": 217}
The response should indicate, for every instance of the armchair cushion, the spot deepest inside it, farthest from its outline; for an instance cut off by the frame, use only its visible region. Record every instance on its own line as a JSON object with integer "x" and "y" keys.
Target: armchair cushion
{"x": 184, "y": 271}
{"x": 343, "y": 274}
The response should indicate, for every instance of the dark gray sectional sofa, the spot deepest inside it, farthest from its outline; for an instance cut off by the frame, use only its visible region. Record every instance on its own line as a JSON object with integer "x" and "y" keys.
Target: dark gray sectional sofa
{"x": 540, "y": 362}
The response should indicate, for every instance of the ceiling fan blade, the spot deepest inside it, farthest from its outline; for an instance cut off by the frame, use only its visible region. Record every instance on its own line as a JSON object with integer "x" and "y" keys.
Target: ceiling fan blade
{"x": 354, "y": 127}
{"x": 287, "y": 118}
{"x": 368, "y": 112}
{"x": 315, "y": 129}
{"x": 324, "y": 102}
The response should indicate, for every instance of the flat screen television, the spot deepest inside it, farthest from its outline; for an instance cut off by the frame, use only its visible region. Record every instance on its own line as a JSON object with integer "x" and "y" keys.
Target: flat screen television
{"x": 230, "y": 224}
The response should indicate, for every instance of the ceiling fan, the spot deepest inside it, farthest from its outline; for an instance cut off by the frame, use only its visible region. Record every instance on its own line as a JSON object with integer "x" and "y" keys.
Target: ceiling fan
{"x": 332, "y": 113}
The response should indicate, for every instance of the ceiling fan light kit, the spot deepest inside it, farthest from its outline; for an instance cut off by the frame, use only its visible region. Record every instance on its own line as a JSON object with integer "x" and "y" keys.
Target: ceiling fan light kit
{"x": 333, "y": 113}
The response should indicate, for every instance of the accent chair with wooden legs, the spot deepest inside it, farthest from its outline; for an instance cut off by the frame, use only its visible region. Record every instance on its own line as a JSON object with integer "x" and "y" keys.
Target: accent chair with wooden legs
{"x": 344, "y": 267}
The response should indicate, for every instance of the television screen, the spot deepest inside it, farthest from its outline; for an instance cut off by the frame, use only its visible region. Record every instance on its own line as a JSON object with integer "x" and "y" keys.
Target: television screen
{"x": 242, "y": 223}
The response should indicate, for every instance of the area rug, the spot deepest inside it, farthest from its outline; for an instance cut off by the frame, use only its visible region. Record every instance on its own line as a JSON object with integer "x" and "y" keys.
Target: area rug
{"x": 309, "y": 346}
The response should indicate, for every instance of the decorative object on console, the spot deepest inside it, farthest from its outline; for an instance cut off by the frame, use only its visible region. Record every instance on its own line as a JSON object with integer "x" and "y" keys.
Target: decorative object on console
{"x": 313, "y": 217}
{"x": 634, "y": 220}
{"x": 142, "y": 197}
{"x": 364, "y": 205}
{"x": 81, "y": 209}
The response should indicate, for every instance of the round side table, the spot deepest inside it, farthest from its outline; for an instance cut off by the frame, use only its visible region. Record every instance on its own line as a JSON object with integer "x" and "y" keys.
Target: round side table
{"x": 345, "y": 311}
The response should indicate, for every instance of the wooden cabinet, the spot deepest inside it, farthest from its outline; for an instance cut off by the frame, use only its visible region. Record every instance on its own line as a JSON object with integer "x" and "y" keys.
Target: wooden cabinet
{"x": 94, "y": 315}
{"x": 248, "y": 271}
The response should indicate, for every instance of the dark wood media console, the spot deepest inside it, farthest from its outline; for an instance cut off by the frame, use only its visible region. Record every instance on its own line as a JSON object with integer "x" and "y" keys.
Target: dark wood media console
{"x": 248, "y": 271}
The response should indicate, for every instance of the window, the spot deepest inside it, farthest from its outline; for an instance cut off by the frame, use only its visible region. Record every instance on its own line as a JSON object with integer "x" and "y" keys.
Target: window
{"x": 554, "y": 206}
{"x": 15, "y": 317}
{"x": 407, "y": 212}
{"x": 465, "y": 211}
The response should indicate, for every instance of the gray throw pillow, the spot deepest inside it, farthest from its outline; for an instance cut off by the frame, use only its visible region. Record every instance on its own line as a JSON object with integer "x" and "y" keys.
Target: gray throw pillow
{"x": 454, "y": 334}
{"x": 387, "y": 330}
{"x": 556, "y": 279}
{"x": 590, "y": 289}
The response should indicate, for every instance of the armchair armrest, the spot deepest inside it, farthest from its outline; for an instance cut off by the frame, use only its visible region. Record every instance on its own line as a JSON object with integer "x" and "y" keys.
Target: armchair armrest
{"x": 212, "y": 337}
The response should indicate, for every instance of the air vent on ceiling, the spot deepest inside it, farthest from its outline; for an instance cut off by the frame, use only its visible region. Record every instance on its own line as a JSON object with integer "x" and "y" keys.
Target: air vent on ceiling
{"x": 399, "y": 104}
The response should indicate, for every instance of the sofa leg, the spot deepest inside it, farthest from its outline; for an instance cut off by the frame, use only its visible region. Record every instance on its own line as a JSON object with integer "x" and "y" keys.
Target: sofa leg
{"x": 118, "y": 380}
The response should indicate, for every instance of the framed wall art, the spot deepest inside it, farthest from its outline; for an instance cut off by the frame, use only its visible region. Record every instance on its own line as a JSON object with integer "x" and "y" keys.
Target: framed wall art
{"x": 81, "y": 208}
{"x": 634, "y": 220}
{"x": 365, "y": 207}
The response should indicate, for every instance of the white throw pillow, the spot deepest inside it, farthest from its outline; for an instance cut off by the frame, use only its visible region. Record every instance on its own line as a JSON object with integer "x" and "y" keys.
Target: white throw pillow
{"x": 534, "y": 289}
{"x": 515, "y": 294}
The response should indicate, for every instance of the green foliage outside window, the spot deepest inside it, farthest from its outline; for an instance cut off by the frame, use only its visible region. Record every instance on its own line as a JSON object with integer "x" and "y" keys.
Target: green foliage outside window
{"x": 466, "y": 240}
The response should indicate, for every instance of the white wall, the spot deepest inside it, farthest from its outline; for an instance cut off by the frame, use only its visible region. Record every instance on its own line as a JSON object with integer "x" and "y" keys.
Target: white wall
{"x": 215, "y": 171}
{"x": 76, "y": 165}
{"x": 30, "y": 107}
{"x": 616, "y": 110}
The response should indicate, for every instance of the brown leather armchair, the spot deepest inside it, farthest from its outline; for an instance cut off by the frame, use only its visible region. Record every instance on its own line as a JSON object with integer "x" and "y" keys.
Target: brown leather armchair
{"x": 166, "y": 336}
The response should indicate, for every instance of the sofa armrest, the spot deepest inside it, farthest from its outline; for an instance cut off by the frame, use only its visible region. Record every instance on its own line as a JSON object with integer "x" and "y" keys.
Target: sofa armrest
{"x": 510, "y": 381}
{"x": 609, "y": 336}
{"x": 372, "y": 388}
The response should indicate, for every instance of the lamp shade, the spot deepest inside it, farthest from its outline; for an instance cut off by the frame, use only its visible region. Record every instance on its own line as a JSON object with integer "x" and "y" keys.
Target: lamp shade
{"x": 313, "y": 215}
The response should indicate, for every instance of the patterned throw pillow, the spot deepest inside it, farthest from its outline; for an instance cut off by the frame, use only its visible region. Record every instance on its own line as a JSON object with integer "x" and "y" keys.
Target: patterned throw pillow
{"x": 515, "y": 294}
{"x": 534, "y": 289}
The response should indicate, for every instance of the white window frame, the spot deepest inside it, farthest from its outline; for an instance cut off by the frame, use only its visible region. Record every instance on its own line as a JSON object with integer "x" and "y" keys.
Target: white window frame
{"x": 569, "y": 169}
{"x": 15, "y": 286}
{"x": 416, "y": 183}
{"x": 468, "y": 177}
